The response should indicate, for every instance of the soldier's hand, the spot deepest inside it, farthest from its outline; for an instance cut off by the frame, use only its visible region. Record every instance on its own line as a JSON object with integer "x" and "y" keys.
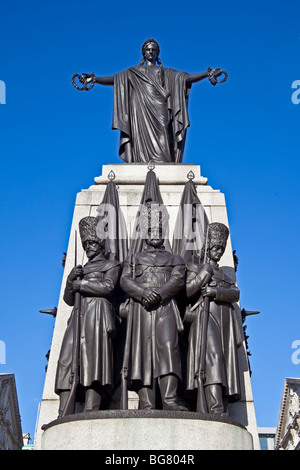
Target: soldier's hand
{"x": 76, "y": 285}
{"x": 146, "y": 305}
{"x": 208, "y": 291}
{"x": 147, "y": 291}
{"x": 151, "y": 298}
{"x": 154, "y": 297}
{"x": 76, "y": 273}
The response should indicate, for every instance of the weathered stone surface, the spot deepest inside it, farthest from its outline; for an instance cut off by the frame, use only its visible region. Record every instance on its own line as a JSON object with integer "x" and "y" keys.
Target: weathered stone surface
{"x": 145, "y": 430}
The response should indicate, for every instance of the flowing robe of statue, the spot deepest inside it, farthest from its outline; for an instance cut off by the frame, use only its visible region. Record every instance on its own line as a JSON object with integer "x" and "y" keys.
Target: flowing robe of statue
{"x": 150, "y": 110}
{"x": 97, "y": 327}
{"x": 223, "y": 333}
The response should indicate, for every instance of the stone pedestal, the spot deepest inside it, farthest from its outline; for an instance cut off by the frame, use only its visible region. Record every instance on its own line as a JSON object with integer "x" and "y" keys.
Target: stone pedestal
{"x": 145, "y": 430}
{"x": 130, "y": 179}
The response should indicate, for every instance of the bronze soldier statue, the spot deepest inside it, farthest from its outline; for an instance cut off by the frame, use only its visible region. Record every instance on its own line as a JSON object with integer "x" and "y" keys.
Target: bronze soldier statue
{"x": 154, "y": 353}
{"x": 95, "y": 284}
{"x": 221, "y": 335}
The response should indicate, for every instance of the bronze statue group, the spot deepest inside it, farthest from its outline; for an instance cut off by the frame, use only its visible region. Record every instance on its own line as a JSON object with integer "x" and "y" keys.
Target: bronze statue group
{"x": 156, "y": 323}
{"x": 159, "y": 323}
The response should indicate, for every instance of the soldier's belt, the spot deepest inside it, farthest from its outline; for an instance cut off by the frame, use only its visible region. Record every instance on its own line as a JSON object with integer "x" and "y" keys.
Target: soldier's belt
{"x": 155, "y": 269}
{"x": 150, "y": 284}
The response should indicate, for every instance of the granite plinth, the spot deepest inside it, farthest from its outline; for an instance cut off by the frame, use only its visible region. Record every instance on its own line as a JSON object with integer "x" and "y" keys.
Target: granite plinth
{"x": 135, "y": 173}
{"x": 145, "y": 430}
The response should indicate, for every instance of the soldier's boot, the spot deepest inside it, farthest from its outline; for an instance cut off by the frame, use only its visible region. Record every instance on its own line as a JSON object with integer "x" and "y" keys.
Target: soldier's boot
{"x": 147, "y": 398}
{"x": 214, "y": 399}
{"x": 92, "y": 400}
{"x": 63, "y": 396}
{"x": 168, "y": 385}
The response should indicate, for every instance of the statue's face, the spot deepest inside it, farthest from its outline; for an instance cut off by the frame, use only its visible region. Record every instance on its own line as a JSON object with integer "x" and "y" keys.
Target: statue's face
{"x": 154, "y": 237}
{"x": 92, "y": 248}
{"x": 151, "y": 52}
{"x": 216, "y": 252}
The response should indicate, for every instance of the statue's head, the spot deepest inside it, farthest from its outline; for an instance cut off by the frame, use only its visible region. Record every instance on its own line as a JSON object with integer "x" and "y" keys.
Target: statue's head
{"x": 150, "y": 51}
{"x": 91, "y": 243}
{"x": 154, "y": 220}
{"x": 215, "y": 241}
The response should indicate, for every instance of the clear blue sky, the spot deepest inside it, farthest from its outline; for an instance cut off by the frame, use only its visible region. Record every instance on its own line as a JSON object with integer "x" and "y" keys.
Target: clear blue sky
{"x": 244, "y": 134}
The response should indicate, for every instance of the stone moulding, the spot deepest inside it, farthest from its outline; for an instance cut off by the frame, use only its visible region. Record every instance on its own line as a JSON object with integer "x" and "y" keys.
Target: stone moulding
{"x": 287, "y": 433}
{"x": 136, "y": 173}
{"x": 145, "y": 430}
{"x": 113, "y": 414}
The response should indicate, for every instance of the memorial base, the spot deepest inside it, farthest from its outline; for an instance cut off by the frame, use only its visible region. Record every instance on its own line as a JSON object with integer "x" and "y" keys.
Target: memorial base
{"x": 145, "y": 430}
{"x": 116, "y": 430}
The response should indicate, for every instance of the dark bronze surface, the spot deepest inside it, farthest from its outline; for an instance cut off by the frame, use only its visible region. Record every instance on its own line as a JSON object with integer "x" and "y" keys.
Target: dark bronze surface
{"x": 208, "y": 286}
{"x": 87, "y": 350}
{"x": 154, "y": 362}
{"x": 151, "y": 106}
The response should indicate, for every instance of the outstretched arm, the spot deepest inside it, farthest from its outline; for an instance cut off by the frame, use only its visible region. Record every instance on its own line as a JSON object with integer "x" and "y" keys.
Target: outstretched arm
{"x": 105, "y": 80}
{"x": 100, "y": 80}
{"x": 196, "y": 77}
{"x": 212, "y": 74}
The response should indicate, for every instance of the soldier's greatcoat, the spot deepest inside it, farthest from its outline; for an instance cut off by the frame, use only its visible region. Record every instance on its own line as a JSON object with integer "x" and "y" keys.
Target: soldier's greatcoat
{"x": 97, "y": 326}
{"x": 154, "y": 341}
{"x": 223, "y": 333}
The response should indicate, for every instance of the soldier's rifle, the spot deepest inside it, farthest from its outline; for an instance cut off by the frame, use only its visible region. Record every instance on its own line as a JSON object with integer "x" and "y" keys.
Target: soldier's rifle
{"x": 203, "y": 317}
{"x": 124, "y": 371}
{"x": 74, "y": 377}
